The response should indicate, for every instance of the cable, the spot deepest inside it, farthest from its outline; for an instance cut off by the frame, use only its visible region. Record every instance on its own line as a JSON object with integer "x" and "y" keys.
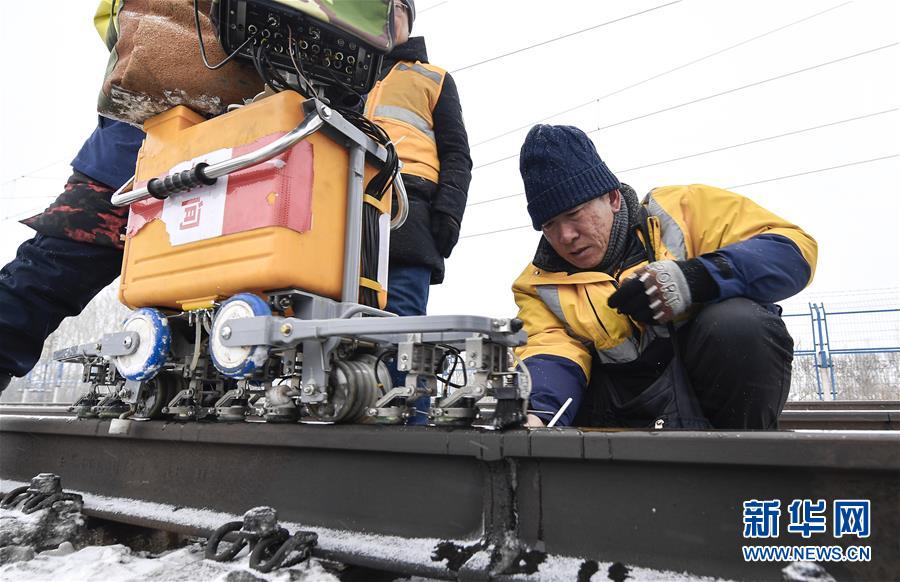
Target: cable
{"x": 476, "y": 235}
{"x": 28, "y": 197}
{"x": 427, "y": 8}
{"x": 564, "y": 36}
{"x": 294, "y": 50}
{"x": 489, "y": 200}
{"x": 847, "y": 165}
{"x": 457, "y": 359}
{"x": 32, "y": 172}
{"x": 810, "y": 172}
{"x": 203, "y": 47}
{"x": 714, "y": 95}
{"x": 716, "y": 150}
{"x": 658, "y": 75}
{"x": 21, "y": 215}
{"x": 762, "y": 139}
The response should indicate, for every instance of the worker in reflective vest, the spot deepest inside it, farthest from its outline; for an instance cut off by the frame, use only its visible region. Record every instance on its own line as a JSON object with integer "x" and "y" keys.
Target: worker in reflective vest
{"x": 418, "y": 105}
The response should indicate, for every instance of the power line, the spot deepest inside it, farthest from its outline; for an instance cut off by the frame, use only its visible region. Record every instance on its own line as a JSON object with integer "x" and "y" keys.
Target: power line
{"x": 427, "y": 8}
{"x": 662, "y": 74}
{"x": 476, "y": 235}
{"x": 720, "y": 149}
{"x": 32, "y": 172}
{"x": 564, "y": 36}
{"x": 808, "y": 173}
{"x": 847, "y": 165}
{"x": 28, "y": 197}
{"x": 19, "y": 215}
{"x": 713, "y": 96}
{"x": 498, "y": 198}
{"x": 749, "y": 85}
{"x": 762, "y": 139}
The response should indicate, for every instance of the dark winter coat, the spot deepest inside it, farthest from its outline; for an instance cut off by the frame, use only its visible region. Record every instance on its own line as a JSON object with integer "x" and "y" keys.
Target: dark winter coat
{"x": 413, "y": 244}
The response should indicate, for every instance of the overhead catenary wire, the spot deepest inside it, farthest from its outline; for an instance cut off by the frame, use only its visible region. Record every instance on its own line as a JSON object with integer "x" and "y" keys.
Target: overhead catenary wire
{"x": 563, "y": 36}
{"x": 21, "y": 215}
{"x": 661, "y": 74}
{"x": 713, "y": 96}
{"x": 28, "y": 197}
{"x": 719, "y": 149}
{"x": 847, "y": 165}
{"x": 432, "y": 7}
{"x": 30, "y": 174}
{"x": 753, "y": 183}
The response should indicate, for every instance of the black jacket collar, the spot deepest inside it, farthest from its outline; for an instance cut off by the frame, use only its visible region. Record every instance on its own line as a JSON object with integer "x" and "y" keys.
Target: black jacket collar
{"x": 412, "y": 50}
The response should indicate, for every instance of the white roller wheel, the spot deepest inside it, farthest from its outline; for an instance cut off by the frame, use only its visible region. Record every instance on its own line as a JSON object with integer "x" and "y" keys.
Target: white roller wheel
{"x": 154, "y": 340}
{"x": 238, "y": 361}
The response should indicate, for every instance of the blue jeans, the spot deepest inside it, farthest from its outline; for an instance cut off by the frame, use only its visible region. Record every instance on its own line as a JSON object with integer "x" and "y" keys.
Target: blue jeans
{"x": 408, "y": 295}
{"x": 50, "y": 279}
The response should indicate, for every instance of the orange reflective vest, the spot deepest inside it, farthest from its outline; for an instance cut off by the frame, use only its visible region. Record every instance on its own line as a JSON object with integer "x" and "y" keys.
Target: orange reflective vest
{"x": 402, "y": 103}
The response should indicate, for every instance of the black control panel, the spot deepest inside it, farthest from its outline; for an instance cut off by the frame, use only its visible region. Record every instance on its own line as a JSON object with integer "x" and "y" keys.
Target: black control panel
{"x": 324, "y": 53}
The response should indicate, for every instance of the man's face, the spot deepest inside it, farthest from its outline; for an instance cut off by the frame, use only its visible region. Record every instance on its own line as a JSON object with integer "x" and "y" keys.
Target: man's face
{"x": 401, "y": 23}
{"x": 581, "y": 235}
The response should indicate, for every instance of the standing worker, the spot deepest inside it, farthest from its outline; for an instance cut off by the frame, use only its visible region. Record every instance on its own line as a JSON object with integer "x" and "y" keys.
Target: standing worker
{"x": 655, "y": 314}
{"x": 417, "y": 104}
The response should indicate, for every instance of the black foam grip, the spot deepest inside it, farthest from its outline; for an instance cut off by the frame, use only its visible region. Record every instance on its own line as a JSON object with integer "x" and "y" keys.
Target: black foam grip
{"x": 180, "y": 182}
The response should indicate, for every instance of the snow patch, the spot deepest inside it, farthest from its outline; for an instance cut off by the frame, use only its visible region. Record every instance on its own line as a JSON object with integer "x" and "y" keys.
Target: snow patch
{"x": 120, "y": 564}
{"x": 388, "y": 548}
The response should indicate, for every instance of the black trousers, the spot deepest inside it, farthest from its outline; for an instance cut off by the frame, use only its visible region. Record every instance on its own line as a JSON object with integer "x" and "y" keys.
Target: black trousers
{"x": 50, "y": 279}
{"x": 737, "y": 358}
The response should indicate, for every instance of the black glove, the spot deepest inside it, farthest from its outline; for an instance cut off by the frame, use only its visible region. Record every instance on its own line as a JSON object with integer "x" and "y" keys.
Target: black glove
{"x": 662, "y": 291}
{"x": 445, "y": 230}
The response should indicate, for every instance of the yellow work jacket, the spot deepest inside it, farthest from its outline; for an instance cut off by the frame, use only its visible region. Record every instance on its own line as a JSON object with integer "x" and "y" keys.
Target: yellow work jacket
{"x": 402, "y": 103}
{"x": 568, "y": 316}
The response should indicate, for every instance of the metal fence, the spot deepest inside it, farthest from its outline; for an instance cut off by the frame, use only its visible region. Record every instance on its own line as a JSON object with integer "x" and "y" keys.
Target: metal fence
{"x": 849, "y": 353}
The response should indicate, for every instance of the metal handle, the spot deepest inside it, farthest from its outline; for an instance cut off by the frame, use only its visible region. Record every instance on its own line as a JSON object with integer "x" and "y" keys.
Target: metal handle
{"x": 313, "y": 121}
{"x": 402, "y": 204}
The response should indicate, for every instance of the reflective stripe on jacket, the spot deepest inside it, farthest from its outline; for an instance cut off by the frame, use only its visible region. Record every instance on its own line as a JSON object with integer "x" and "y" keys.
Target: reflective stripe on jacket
{"x": 403, "y": 104}
{"x": 566, "y": 315}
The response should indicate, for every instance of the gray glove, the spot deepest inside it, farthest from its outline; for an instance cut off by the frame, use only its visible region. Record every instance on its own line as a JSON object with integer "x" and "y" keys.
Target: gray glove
{"x": 662, "y": 291}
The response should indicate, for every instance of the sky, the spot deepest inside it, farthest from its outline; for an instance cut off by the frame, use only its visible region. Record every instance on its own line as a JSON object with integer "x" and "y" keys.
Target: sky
{"x": 799, "y": 99}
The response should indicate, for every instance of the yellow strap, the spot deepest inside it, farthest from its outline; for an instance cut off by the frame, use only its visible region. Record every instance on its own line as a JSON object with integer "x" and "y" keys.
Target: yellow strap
{"x": 370, "y": 284}
{"x": 199, "y": 303}
{"x": 372, "y": 201}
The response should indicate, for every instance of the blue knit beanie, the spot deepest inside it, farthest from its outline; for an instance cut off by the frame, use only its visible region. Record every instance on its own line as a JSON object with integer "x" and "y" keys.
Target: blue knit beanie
{"x": 561, "y": 169}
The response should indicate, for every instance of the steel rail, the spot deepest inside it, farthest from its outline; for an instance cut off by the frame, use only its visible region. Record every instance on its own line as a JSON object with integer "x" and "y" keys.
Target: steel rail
{"x": 663, "y": 500}
{"x": 822, "y": 416}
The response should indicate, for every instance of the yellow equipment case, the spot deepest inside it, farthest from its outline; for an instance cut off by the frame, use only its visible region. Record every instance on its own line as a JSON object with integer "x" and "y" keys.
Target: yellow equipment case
{"x": 279, "y": 225}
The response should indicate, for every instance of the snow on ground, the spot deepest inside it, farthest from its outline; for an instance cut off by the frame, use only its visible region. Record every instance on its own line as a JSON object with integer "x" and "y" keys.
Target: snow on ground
{"x": 21, "y": 560}
{"x": 22, "y": 535}
{"x": 118, "y": 563}
{"x": 379, "y": 546}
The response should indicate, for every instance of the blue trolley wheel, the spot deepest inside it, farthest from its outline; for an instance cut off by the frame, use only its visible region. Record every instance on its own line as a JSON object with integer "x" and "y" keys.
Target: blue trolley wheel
{"x": 239, "y": 361}
{"x": 154, "y": 341}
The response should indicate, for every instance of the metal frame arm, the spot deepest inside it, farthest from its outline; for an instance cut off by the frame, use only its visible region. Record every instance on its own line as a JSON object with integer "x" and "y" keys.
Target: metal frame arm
{"x": 310, "y": 124}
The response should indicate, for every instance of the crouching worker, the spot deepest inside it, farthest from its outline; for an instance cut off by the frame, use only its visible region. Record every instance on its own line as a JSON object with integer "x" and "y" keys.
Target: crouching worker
{"x": 654, "y": 314}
